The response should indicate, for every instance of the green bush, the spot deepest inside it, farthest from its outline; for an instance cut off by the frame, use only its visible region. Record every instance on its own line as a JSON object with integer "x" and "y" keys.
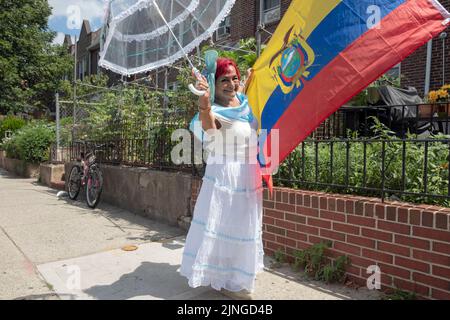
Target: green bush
{"x": 12, "y": 124}
{"x": 31, "y": 143}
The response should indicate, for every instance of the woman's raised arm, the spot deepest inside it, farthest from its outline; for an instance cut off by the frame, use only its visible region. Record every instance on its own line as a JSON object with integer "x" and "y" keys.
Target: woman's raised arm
{"x": 204, "y": 106}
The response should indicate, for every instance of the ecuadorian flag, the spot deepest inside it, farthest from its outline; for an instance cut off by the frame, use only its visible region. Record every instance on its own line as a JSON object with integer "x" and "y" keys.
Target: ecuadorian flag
{"x": 323, "y": 53}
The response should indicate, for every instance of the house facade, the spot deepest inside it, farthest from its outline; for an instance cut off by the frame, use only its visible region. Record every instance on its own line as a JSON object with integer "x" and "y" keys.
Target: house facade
{"x": 87, "y": 50}
{"x": 88, "y": 53}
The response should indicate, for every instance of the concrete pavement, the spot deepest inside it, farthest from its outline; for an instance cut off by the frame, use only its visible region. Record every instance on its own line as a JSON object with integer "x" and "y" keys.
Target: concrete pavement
{"x": 58, "y": 249}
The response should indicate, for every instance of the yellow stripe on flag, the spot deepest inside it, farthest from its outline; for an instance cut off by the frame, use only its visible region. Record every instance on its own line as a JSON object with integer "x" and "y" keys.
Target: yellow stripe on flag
{"x": 304, "y": 16}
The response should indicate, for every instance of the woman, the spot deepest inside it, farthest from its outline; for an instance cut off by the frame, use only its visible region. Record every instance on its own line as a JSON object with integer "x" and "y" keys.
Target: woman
{"x": 224, "y": 243}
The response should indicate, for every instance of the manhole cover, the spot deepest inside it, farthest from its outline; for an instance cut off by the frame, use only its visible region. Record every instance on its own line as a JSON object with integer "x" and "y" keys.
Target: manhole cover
{"x": 129, "y": 248}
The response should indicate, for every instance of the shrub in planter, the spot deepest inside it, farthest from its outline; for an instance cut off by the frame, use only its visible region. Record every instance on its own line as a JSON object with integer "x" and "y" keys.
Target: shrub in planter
{"x": 12, "y": 124}
{"x": 441, "y": 98}
{"x": 31, "y": 143}
{"x": 11, "y": 148}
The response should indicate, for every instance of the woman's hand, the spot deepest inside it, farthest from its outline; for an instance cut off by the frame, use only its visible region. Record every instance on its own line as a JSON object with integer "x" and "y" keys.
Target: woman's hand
{"x": 249, "y": 73}
{"x": 204, "y": 103}
{"x": 204, "y": 106}
{"x": 248, "y": 77}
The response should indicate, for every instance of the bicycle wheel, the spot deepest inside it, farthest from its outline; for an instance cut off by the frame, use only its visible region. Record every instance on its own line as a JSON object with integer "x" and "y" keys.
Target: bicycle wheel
{"x": 74, "y": 182}
{"x": 94, "y": 186}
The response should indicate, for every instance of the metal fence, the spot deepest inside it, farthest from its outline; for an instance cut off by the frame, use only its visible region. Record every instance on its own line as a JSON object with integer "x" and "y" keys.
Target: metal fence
{"x": 407, "y": 169}
{"x": 146, "y": 153}
{"x": 414, "y": 170}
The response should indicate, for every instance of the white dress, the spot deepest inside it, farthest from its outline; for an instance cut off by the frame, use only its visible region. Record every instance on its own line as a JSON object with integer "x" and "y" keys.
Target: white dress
{"x": 224, "y": 244}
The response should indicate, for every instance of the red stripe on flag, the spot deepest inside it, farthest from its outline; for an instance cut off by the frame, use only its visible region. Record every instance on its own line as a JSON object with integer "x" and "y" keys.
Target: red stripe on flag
{"x": 372, "y": 55}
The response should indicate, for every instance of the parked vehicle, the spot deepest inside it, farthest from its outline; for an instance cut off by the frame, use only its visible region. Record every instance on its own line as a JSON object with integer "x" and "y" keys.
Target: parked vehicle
{"x": 87, "y": 175}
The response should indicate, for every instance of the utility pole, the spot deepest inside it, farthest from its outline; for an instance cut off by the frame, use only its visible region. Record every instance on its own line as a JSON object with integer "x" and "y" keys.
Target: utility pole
{"x": 260, "y": 27}
{"x": 166, "y": 88}
{"x": 428, "y": 66}
{"x": 57, "y": 126}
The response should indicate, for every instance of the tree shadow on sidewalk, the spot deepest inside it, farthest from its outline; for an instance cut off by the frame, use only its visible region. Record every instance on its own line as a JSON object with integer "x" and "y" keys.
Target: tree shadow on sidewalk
{"x": 139, "y": 228}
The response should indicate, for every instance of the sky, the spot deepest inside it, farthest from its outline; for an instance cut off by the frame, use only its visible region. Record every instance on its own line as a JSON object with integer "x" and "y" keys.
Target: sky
{"x": 67, "y": 16}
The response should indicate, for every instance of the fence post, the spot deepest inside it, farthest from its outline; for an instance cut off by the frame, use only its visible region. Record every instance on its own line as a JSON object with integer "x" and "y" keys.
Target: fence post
{"x": 74, "y": 89}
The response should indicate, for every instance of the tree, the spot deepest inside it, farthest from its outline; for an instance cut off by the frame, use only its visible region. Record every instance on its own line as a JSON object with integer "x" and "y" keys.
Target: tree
{"x": 31, "y": 67}
{"x": 244, "y": 55}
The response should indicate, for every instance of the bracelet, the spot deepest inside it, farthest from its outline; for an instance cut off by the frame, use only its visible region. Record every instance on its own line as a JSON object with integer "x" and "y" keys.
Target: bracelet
{"x": 204, "y": 111}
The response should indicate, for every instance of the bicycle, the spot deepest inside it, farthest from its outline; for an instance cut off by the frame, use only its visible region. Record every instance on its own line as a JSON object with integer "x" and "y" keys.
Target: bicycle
{"x": 88, "y": 175}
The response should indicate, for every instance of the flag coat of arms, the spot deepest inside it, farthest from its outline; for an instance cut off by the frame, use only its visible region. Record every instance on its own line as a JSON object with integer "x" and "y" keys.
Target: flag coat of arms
{"x": 325, "y": 52}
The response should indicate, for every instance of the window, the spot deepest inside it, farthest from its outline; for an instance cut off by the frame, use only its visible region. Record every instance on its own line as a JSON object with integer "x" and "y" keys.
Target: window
{"x": 86, "y": 67}
{"x": 272, "y": 11}
{"x": 80, "y": 70}
{"x": 395, "y": 71}
{"x": 224, "y": 28}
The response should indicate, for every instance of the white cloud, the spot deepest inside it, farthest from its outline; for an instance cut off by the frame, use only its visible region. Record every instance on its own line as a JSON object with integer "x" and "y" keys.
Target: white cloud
{"x": 88, "y": 9}
{"x": 59, "y": 39}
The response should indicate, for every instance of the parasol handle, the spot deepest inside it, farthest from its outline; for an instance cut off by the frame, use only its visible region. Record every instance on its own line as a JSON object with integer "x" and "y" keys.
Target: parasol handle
{"x": 193, "y": 89}
{"x": 195, "y": 71}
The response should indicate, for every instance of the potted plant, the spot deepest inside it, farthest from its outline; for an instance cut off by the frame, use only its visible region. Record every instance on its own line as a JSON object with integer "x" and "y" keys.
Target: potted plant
{"x": 426, "y": 110}
{"x": 441, "y": 100}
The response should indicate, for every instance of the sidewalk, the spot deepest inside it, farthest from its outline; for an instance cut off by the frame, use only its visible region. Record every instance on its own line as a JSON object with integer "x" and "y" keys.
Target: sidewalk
{"x": 48, "y": 244}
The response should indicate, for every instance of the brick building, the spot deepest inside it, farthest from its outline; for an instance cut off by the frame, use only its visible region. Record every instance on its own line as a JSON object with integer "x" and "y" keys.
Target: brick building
{"x": 88, "y": 50}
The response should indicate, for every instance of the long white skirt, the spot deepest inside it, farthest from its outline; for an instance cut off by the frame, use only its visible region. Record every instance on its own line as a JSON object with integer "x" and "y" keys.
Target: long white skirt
{"x": 224, "y": 244}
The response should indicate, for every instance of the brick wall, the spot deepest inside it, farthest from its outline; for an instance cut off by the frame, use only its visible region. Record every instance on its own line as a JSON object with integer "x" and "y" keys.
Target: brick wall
{"x": 243, "y": 20}
{"x": 245, "y": 17}
{"x": 410, "y": 243}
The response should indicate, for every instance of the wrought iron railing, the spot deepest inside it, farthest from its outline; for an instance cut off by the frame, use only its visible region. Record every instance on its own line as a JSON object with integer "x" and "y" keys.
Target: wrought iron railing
{"x": 406, "y": 169}
{"x": 415, "y": 170}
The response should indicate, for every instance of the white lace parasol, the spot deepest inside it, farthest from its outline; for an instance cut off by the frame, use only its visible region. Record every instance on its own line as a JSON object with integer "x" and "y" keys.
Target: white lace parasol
{"x": 142, "y": 35}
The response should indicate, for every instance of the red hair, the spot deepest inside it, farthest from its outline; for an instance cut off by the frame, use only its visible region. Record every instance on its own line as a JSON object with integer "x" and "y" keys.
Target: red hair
{"x": 222, "y": 66}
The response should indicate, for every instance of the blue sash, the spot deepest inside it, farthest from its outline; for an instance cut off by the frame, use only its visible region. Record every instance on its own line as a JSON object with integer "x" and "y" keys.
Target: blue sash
{"x": 241, "y": 113}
